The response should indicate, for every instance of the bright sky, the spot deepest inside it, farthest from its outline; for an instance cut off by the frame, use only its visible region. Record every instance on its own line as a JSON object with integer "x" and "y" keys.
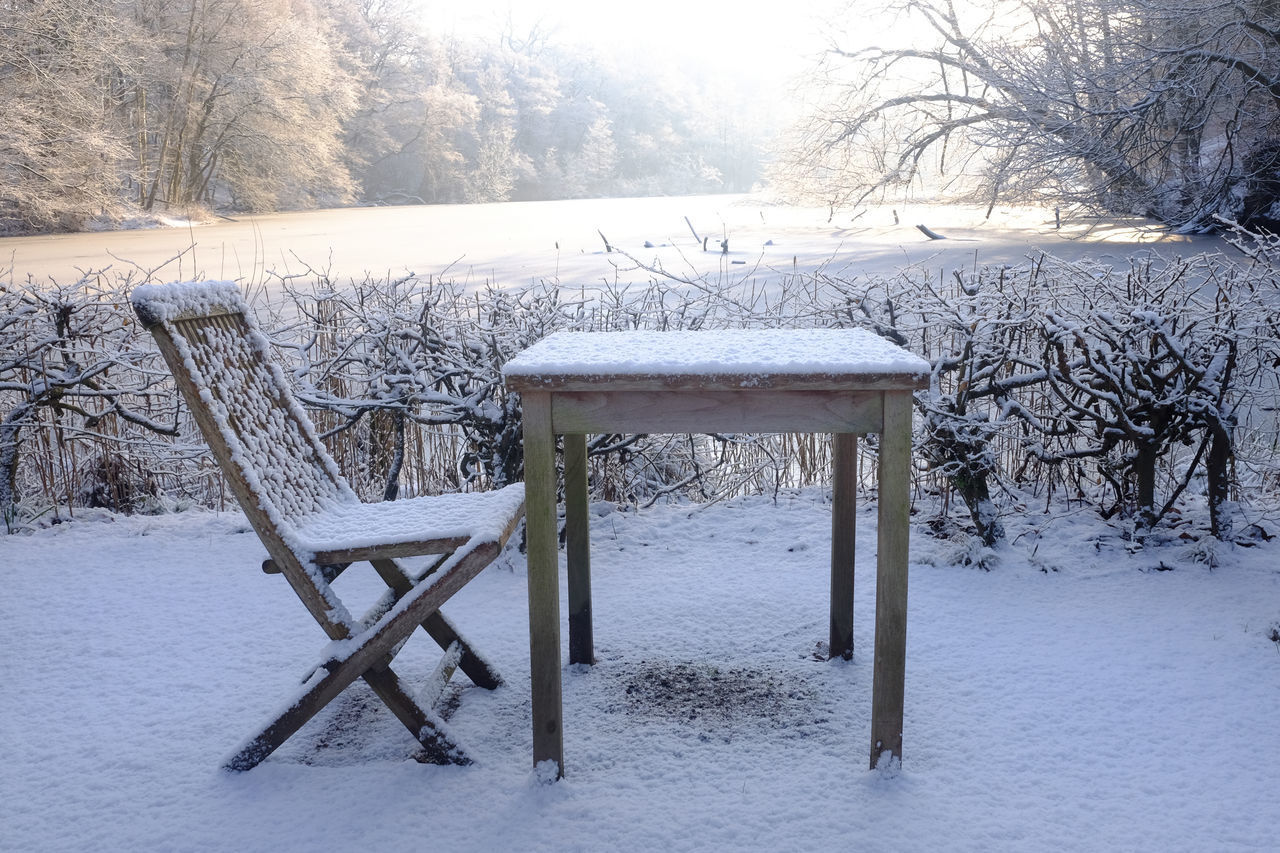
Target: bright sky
{"x": 750, "y": 39}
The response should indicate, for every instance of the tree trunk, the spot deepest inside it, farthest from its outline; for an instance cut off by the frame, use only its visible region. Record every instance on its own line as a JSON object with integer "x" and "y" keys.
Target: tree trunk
{"x": 392, "y": 490}
{"x": 976, "y": 494}
{"x": 1144, "y": 468}
{"x": 1218, "y": 469}
{"x": 10, "y": 440}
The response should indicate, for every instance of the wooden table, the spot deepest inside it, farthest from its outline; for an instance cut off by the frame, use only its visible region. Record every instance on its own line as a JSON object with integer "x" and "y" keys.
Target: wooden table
{"x": 840, "y": 381}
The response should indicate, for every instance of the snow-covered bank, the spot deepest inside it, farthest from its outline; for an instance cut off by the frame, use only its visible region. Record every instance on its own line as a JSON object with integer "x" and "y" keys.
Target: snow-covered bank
{"x": 1073, "y": 698}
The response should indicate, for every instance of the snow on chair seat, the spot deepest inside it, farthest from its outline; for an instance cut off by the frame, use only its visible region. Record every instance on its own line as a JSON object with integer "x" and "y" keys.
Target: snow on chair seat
{"x": 348, "y": 532}
{"x": 313, "y": 524}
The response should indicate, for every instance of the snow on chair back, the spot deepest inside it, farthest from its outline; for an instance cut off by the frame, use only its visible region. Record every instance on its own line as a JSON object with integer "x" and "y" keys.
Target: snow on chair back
{"x": 268, "y": 437}
{"x": 260, "y": 436}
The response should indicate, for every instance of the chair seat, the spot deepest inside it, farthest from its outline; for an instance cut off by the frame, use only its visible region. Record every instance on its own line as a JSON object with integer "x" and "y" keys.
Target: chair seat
{"x": 350, "y": 531}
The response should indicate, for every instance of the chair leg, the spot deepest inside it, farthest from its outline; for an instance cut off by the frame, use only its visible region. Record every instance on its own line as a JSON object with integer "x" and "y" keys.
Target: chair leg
{"x": 368, "y": 659}
{"x": 432, "y": 690}
{"x": 318, "y": 691}
{"x": 422, "y": 724}
{"x": 480, "y": 671}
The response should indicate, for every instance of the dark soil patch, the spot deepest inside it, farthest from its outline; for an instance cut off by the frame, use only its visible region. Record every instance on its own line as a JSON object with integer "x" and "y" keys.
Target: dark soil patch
{"x": 704, "y": 692}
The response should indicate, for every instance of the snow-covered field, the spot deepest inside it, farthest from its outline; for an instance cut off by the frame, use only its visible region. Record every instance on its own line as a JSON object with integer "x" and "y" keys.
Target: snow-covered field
{"x": 1075, "y": 697}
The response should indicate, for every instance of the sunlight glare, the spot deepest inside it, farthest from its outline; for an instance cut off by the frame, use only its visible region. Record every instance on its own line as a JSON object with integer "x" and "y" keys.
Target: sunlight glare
{"x": 765, "y": 46}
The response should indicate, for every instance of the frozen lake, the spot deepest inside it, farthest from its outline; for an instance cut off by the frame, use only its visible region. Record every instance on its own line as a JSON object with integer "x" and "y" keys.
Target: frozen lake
{"x": 519, "y": 243}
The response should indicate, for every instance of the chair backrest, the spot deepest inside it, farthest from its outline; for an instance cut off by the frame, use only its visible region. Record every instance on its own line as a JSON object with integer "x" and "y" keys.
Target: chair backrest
{"x": 260, "y": 436}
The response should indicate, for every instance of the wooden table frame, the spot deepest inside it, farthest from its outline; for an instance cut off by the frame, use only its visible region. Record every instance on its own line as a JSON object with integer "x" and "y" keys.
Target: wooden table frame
{"x": 573, "y": 405}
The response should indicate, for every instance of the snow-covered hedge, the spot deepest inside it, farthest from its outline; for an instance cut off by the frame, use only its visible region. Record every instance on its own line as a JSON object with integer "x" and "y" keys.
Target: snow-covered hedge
{"x": 1127, "y": 390}
{"x": 1061, "y": 376}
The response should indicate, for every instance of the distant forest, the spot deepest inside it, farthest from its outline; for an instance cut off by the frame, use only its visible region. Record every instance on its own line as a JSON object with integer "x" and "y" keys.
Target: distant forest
{"x": 108, "y": 107}
{"x": 1169, "y": 109}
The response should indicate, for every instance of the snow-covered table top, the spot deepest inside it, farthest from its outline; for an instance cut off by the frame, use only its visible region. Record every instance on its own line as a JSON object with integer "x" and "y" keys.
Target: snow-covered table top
{"x": 721, "y": 359}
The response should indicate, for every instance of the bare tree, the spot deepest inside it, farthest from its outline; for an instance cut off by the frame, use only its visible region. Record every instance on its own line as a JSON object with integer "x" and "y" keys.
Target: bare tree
{"x": 70, "y": 366}
{"x": 61, "y": 145}
{"x": 1167, "y": 109}
{"x": 245, "y": 103}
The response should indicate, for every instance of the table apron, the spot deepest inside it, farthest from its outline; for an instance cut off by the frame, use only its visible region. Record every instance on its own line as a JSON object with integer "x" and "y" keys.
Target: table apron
{"x": 701, "y": 411}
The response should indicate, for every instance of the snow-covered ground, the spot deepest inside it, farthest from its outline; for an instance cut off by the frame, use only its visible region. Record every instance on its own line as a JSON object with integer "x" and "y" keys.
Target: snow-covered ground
{"x": 1075, "y": 697}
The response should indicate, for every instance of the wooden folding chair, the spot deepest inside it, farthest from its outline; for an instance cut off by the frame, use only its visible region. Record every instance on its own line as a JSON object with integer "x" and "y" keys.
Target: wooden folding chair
{"x": 313, "y": 525}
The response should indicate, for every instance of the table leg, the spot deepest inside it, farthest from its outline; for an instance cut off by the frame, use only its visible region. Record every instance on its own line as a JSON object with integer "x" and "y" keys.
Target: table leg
{"x": 844, "y": 483}
{"x": 578, "y": 550}
{"x": 889, "y": 677}
{"x": 544, "y": 579}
